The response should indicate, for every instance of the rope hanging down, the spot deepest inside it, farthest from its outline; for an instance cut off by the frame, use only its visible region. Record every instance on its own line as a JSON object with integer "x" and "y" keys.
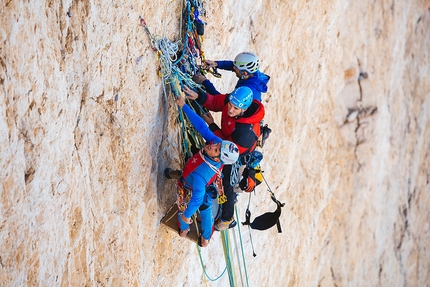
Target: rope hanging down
{"x": 201, "y": 260}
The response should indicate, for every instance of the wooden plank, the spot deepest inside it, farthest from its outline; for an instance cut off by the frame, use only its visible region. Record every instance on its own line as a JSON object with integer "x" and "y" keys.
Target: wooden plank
{"x": 170, "y": 220}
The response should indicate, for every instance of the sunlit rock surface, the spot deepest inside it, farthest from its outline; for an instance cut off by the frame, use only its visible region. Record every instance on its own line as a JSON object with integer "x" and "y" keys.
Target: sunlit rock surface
{"x": 86, "y": 131}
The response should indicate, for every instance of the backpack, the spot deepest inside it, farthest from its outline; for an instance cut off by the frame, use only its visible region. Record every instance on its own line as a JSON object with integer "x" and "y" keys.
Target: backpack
{"x": 266, "y": 220}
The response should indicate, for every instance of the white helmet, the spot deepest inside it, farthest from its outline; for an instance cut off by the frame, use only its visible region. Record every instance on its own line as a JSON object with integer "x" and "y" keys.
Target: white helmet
{"x": 247, "y": 61}
{"x": 229, "y": 152}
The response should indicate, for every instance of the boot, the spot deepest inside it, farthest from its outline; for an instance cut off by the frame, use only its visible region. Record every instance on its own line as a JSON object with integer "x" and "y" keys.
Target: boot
{"x": 266, "y": 132}
{"x": 172, "y": 174}
{"x": 225, "y": 224}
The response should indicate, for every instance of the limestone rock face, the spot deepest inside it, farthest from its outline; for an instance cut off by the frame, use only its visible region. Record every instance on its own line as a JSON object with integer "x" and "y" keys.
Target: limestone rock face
{"x": 86, "y": 131}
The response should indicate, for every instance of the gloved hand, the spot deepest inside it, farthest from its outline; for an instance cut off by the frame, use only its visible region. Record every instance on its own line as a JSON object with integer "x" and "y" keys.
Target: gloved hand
{"x": 199, "y": 78}
{"x": 248, "y": 181}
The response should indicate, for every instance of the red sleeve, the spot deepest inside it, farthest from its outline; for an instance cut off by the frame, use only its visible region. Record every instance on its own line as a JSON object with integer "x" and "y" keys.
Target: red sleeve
{"x": 215, "y": 103}
{"x": 220, "y": 134}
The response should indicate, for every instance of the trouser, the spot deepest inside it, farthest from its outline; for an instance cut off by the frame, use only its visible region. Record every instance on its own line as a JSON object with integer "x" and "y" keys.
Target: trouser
{"x": 228, "y": 206}
{"x": 206, "y": 223}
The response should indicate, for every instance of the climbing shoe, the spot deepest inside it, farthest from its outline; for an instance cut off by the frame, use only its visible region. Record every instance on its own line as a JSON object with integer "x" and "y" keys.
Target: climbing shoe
{"x": 172, "y": 174}
{"x": 223, "y": 225}
{"x": 232, "y": 224}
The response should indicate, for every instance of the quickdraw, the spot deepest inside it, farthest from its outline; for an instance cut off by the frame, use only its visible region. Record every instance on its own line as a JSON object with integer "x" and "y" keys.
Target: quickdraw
{"x": 204, "y": 69}
{"x": 221, "y": 196}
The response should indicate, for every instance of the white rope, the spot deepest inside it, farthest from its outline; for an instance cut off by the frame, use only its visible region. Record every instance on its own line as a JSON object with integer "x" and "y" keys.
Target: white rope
{"x": 216, "y": 170}
{"x": 234, "y": 174}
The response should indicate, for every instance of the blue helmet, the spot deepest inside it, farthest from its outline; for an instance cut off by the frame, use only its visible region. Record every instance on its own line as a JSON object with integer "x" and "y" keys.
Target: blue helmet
{"x": 241, "y": 97}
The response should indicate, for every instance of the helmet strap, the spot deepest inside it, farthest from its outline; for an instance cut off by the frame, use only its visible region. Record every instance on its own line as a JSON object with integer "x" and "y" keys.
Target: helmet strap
{"x": 243, "y": 74}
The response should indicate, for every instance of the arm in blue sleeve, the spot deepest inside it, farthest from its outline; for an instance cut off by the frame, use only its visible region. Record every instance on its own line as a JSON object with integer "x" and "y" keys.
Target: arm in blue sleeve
{"x": 199, "y": 189}
{"x": 200, "y": 125}
{"x": 210, "y": 88}
{"x": 225, "y": 65}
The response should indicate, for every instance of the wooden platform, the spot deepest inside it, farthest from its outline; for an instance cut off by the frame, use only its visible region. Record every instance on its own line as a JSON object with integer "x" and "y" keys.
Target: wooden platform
{"x": 171, "y": 221}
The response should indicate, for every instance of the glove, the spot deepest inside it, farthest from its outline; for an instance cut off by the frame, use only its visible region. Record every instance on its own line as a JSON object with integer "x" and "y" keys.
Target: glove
{"x": 251, "y": 184}
{"x": 248, "y": 181}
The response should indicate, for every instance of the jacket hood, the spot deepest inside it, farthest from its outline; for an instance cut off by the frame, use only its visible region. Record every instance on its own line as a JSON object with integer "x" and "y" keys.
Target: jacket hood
{"x": 253, "y": 115}
{"x": 258, "y": 82}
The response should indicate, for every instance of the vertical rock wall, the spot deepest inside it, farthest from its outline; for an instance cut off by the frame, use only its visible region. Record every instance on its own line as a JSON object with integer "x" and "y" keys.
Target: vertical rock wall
{"x": 86, "y": 131}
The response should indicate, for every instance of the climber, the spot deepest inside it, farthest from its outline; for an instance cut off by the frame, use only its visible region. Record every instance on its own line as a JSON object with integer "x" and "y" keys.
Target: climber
{"x": 199, "y": 172}
{"x": 240, "y": 123}
{"x": 246, "y": 67}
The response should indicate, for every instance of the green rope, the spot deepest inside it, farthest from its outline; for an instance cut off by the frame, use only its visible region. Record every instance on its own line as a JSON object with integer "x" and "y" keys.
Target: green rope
{"x": 185, "y": 141}
{"x": 227, "y": 255}
{"x": 236, "y": 252}
{"x": 200, "y": 255}
{"x": 204, "y": 268}
{"x": 241, "y": 245}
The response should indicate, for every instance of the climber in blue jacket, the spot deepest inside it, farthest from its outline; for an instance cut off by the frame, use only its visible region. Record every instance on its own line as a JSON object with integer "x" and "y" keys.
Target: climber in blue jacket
{"x": 246, "y": 67}
{"x": 199, "y": 172}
